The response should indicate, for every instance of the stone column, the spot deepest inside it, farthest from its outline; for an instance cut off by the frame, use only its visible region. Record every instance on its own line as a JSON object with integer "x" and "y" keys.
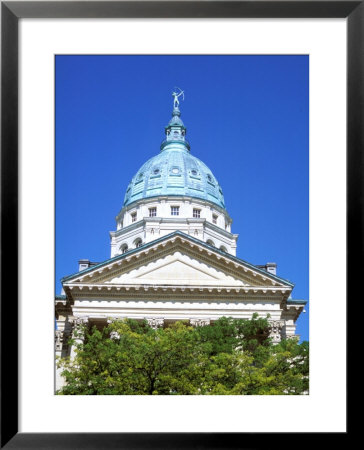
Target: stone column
{"x": 155, "y": 322}
{"x": 58, "y": 342}
{"x": 77, "y": 332}
{"x": 199, "y": 322}
{"x": 275, "y": 330}
{"x": 60, "y": 336}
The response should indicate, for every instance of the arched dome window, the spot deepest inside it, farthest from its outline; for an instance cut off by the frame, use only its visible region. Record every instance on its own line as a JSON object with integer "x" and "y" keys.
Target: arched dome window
{"x": 138, "y": 243}
{"x": 210, "y": 242}
{"x": 124, "y": 248}
{"x": 224, "y": 249}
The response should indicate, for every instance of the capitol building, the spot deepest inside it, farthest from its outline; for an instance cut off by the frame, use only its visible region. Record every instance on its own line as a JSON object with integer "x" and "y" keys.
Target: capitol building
{"x": 173, "y": 256}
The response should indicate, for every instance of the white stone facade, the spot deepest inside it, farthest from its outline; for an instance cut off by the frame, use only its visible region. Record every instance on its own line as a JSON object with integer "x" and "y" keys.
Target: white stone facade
{"x": 176, "y": 277}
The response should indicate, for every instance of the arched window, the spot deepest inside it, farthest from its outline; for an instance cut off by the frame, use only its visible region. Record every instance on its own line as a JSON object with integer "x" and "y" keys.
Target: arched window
{"x": 138, "y": 243}
{"x": 124, "y": 248}
{"x": 222, "y": 248}
{"x": 210, "y": 242}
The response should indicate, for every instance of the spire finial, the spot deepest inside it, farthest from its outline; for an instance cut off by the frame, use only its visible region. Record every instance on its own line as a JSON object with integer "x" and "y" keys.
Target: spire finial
{"x": 175, "y": 130}
{"x": 175, "y": 95}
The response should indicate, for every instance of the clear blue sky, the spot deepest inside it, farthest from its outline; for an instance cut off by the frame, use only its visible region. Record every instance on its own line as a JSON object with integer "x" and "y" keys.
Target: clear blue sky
{"x": 246, "y": 118}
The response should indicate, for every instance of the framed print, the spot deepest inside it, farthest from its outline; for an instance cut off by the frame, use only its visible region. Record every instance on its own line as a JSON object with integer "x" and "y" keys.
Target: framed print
{"x": 53, "y": 74}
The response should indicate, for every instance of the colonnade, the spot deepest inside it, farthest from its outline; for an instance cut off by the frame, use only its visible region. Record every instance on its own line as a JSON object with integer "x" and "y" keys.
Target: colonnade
{"x": 278, "y": 329}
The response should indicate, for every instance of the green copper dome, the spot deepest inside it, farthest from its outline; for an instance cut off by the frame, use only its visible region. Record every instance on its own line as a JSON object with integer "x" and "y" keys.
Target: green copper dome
{"x": 174, "y": 171}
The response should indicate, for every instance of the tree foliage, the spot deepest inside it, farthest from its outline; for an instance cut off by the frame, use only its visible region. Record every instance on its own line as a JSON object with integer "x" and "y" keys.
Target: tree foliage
{"x": 230, "y": 357}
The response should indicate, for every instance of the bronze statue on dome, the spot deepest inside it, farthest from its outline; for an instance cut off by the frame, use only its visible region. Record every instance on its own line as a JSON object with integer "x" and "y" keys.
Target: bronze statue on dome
{"x": 176, "y": 95}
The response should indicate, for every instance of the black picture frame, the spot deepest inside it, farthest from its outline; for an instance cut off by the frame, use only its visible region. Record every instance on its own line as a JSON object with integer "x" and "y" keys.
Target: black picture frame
{"x": 11, "y": 12}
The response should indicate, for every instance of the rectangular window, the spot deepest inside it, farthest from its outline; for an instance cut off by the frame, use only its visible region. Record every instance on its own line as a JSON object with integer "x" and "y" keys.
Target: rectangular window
{"x": 152, "y": 212}
{"x": 133, "y": 217}
{"x": 196, "y": 213}
{"x": 214, "y": 218}
{"x": 174, "y": 210}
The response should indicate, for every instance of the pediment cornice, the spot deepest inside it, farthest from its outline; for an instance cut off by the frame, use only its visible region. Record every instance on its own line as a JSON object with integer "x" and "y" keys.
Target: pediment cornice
{"x": 175, "y": 293}
{"x": 176, "y": 288}
{"x": 257, "y": 279}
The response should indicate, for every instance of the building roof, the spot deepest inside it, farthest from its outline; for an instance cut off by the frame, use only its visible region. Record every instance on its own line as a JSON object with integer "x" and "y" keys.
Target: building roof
{"x": 174, "y": 171}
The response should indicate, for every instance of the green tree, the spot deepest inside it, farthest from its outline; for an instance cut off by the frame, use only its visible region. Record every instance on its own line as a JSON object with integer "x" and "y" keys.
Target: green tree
{"x": 232, "y": 356}
{"x": 228, "y": 334}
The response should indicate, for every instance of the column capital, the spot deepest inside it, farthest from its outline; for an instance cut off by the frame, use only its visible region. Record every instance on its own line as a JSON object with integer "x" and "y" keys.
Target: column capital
{"x": 200, "y": 322}
{"x": 58, "y": 340}
{"x": 78, "y": 320}
{"x": 275, "y": 330}
{"x": 154, "y": 322}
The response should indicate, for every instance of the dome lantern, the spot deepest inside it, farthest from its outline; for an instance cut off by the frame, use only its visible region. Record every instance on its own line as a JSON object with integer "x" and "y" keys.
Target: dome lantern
{"x": 175, "y": 130}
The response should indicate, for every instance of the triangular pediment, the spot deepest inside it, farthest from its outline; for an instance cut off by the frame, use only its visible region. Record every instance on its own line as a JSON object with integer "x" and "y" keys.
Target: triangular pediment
{"x": 176, "y": 260}
{"x": 175, "y": 269}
